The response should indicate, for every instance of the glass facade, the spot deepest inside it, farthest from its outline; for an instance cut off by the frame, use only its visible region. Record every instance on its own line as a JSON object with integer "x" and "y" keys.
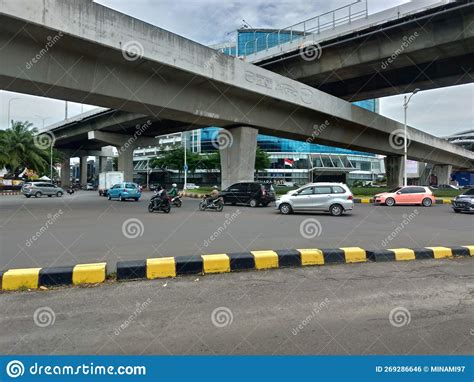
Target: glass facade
{"x": 290, "y": 161}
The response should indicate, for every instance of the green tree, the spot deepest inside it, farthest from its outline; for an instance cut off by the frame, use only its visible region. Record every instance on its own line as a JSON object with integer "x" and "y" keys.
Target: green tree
{"x": 262, "y": 160}
{"x": 19, "y": 149}
{"x": 173, "y": 159}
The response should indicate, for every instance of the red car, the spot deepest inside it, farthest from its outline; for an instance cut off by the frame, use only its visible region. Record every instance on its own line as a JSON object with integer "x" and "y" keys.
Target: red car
{"x": 406, "y": 195}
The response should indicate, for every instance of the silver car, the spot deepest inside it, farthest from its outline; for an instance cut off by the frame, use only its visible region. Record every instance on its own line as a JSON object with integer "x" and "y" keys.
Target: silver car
{"x": 38, "y": 189}
{"x": 335, "y": 198}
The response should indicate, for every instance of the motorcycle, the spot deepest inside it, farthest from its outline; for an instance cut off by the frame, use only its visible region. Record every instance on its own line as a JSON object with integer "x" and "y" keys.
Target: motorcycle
{"x": 70, "y": 190}
{"x": 213, "y": 204}
{"x": 176, "y": 201}
{"x": 158, "y": 204}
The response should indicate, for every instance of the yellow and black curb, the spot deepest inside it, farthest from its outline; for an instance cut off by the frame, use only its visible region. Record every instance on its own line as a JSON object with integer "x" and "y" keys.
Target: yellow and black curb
{"x": 33, "y": 278}
{"x": 258, "y": 260}
{"x": 164, "y": 267}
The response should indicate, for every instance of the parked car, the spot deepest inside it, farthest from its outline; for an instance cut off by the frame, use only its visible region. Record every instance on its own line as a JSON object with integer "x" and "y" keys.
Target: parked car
{"x": 335, "y": 198}
{"x": 251, "y": 193}
{"x": 464, "y": 202}
{"x": 124, "y": 191}
{"x": 446, "y": 187}
{"x": 406, "y": 195}
{"x": 38, "y": 189}
{"x": 191, "y": 186}
{"x": 90, "y": 187}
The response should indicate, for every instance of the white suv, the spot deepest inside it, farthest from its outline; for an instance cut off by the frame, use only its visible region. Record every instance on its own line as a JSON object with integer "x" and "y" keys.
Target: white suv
{"x": 335, "y": 198}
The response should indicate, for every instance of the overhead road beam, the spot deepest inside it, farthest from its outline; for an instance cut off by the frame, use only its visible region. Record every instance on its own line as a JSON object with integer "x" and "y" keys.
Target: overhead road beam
{"x": 179, "y": 80}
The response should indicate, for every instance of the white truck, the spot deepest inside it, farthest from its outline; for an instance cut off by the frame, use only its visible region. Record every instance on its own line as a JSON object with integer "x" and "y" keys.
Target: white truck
{"x": 108, "y": 179}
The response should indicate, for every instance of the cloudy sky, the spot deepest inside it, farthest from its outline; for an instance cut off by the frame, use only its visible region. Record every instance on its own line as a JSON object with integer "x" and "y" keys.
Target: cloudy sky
{"x": 439, "y": 112}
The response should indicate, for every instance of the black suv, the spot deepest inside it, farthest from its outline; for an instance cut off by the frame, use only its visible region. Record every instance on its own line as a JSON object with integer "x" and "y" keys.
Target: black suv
{"x": 251, "y": 193}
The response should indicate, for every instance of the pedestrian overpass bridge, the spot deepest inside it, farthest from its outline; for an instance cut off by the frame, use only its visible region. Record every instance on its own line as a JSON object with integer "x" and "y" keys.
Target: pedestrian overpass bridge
{"x": 84, "y": 52}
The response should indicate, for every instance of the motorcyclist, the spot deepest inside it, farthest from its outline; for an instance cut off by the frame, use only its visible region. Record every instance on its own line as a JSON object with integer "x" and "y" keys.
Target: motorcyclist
{"x": 162, "y": 196}
{"x": 212, "y": 196}
{"x": 174, "y": 191}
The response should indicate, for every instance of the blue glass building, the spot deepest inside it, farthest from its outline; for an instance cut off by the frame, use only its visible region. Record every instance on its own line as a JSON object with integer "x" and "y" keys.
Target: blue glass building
{"x": 308, "y": 161}
{"x": 327, "y": 162}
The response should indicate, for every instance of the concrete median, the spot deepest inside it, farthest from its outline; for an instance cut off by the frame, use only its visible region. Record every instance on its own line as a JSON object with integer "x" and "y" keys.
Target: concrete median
{"x": 166, "y": 267}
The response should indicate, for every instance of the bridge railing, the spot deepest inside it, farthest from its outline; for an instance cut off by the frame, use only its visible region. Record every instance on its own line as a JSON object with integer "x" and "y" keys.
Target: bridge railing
{"x": 313, "y": 26}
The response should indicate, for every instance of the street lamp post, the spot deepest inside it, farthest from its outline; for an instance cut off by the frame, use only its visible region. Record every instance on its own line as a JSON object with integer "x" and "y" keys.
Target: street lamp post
{"x": 185, "y": 186}
{"x": 405, "y": 151}
{"x": 9, "y": 106}
{"x": 51, "y": 150}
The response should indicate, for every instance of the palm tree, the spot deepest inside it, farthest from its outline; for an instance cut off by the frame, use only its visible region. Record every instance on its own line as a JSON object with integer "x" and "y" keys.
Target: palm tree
{"x": 19, "y": 151}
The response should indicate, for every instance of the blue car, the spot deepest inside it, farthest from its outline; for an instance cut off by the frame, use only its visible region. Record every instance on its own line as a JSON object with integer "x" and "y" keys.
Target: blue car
{"x": 124, "y": 191}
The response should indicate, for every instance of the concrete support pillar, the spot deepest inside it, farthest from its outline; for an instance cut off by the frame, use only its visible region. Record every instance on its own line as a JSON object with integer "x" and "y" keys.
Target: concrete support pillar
{"x": 83, "y": 171}
{"x": 237, "y": 150}
{"x": 65, "y": 173}
{"x": 102, "y": 164}
{"x": 394, "y": 170}
{"x": 443, "y": 173}
{"x": 125, "y": 162}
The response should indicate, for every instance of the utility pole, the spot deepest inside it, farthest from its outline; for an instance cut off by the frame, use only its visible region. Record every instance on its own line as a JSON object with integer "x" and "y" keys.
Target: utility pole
{"x": 405, "y": 151}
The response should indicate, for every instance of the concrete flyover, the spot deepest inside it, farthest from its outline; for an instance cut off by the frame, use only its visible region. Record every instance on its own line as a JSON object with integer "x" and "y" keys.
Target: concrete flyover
{"x": 85, "y": 52}
{"x": 390, "y": 52}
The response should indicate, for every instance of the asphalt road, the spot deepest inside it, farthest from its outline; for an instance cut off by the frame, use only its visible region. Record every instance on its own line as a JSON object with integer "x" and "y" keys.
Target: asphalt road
{"x": 87, "y": 228}
{"x": 417, "y": 307}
